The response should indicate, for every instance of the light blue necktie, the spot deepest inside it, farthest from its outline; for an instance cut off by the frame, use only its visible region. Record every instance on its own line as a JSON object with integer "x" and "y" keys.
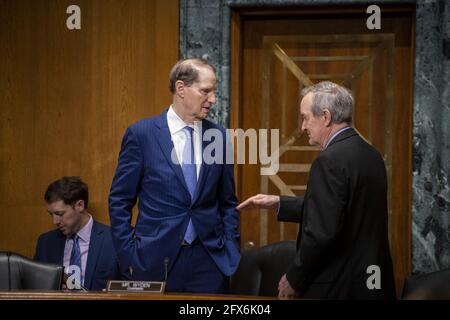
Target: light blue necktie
{"x": 190, "y": 176}
{"x": 75, "y": 256}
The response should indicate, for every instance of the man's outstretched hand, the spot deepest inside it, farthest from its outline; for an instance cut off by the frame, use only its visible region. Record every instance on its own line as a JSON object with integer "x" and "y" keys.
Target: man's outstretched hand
{"x": 260, "y": 201}
{"x": 285, "y": 291}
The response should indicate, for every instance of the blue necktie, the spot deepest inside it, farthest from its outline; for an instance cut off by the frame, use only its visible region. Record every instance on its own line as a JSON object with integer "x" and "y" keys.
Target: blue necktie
{"x": 75, "y": 256}
{"x": 190, "y": 176}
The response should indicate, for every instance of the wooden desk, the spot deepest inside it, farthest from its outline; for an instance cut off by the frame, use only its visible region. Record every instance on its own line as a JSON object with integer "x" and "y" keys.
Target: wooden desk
{"x": 59, "y": 295}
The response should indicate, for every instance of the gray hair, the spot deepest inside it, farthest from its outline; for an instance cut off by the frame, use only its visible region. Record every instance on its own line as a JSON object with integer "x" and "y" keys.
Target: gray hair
{"x": 187, "y": 71}
{"x": 337, "y": 99}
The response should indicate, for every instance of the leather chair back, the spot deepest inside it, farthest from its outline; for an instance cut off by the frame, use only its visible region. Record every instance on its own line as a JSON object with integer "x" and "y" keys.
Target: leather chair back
{"x": 260, "y": 269}
{"x": 431, "y": 286}
{"x": 21, "y": 273}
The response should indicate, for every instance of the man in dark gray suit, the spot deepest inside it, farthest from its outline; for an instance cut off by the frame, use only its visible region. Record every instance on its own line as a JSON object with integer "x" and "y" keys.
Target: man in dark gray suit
{"x": 342, "y": 246}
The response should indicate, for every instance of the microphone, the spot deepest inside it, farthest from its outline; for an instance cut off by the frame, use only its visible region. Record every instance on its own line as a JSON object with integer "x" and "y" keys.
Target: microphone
{"x": 166, "y": 264}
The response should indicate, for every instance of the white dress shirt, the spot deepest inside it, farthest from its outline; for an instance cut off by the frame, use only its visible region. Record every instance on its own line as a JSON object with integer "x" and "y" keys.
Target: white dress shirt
{"x": 176, "y": 125}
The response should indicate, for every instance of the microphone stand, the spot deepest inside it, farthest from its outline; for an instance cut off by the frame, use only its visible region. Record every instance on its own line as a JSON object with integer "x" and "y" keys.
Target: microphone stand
{"x": 8, "y": 254}
{"x": 166, "y": 264}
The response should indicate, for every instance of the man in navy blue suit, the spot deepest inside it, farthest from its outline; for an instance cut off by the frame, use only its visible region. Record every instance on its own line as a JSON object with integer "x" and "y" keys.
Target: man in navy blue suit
{"x": 187, "y": 227}
{"x": 79, "y": 240}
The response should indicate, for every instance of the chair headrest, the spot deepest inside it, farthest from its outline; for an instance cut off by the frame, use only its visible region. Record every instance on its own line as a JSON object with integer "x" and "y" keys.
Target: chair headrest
{"x": 19, "y": 272}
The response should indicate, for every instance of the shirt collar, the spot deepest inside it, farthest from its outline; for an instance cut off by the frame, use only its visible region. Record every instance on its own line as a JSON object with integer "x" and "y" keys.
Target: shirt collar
{"x": 85, "y": 232}
{"x": 176, "y": 124}
{"x": 334, "y": 136}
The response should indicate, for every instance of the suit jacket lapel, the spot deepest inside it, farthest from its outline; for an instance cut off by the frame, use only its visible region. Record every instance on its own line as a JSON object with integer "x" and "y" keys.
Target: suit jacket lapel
{"x": 95, "y": 247}
{"x": 166, "y": 144}
{"x": 59, "y": 249}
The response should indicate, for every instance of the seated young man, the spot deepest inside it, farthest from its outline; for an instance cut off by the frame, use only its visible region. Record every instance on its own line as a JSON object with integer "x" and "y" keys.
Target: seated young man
{"x": 79, "y": 242}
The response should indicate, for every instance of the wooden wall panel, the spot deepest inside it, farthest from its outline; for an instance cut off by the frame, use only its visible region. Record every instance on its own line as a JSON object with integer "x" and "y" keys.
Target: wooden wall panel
{"x": 67, "y": 96}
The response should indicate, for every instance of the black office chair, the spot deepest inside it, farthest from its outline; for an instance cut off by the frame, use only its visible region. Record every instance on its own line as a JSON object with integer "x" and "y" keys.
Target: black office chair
{"x": 21, "y": 273}
{"x": 431, "y": 286}
{"x": 260, "y": 269}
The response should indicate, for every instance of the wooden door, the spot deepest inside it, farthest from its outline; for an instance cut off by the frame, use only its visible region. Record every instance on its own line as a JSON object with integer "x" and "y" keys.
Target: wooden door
{"x": 277, "y": 53}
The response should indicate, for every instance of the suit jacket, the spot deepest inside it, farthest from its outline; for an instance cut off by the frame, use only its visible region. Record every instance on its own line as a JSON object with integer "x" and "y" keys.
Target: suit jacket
{"x": 146, "y": 171}
{"x": 344, "y": 224}
{"x": 102, "y": 264}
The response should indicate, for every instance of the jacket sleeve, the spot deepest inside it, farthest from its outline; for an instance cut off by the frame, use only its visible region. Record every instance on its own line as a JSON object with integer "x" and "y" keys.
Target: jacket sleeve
{"x": 290, "y": 209}
{"x": 122, "y": 198}
{"x": 227, "y": 197}
{"x": 38, "y": 252}
{"x": 323, "y": 218}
